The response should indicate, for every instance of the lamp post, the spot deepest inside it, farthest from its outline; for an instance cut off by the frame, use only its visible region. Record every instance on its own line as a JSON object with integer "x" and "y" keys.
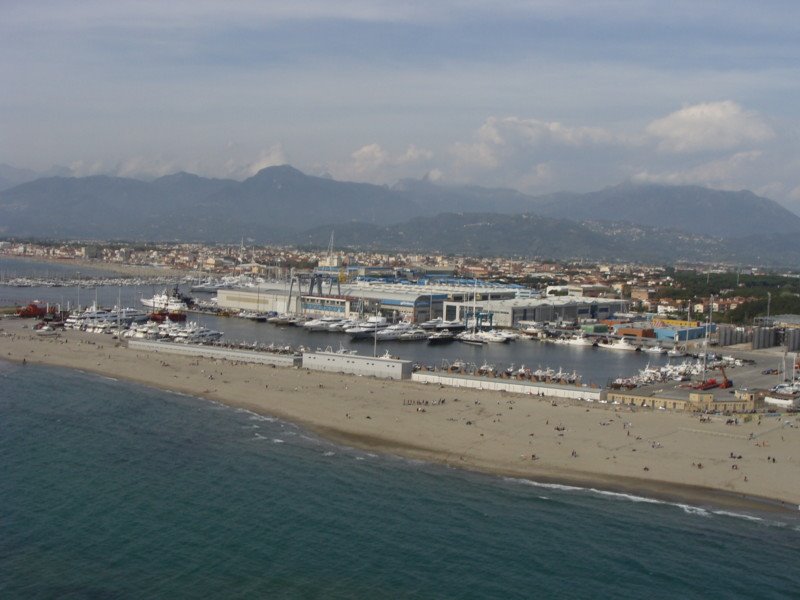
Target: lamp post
{"x": 769, "y": 300}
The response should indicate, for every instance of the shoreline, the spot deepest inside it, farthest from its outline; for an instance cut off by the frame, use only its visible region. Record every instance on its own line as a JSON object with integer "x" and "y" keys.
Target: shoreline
{"x": 493, "y": 433}
{"x": 117, "y": 268}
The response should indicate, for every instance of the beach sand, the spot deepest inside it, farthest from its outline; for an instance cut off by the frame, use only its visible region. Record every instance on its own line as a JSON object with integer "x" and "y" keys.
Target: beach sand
{"x": 112, "y": 267}
{"x": 643, "y": 452}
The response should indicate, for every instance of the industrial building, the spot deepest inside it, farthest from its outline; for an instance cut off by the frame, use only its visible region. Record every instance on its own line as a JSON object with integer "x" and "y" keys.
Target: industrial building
{"x": 511, "y": 312}
{"x": 410, "y": 301}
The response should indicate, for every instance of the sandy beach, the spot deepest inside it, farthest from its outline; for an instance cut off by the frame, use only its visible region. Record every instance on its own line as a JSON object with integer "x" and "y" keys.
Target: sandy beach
{"x": 659, "y": 454}
{"x": 111, "y": 267}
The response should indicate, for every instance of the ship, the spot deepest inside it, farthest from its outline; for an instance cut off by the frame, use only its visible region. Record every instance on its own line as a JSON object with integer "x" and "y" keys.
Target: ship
{"x": 168, "y": 300}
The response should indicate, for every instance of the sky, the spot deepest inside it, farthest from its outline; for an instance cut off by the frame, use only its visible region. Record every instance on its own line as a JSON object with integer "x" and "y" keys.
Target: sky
{"x": 540, "y": 96}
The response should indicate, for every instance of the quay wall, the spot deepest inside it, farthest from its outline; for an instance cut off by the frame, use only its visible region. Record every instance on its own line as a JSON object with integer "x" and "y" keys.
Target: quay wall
{"x": 385, "y": 368}
{"x": 266, "y": 358}
{"x": 514, "y": 387}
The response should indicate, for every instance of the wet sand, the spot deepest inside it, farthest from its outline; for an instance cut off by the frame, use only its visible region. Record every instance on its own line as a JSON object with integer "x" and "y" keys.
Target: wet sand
{"x": 658, "y": 454}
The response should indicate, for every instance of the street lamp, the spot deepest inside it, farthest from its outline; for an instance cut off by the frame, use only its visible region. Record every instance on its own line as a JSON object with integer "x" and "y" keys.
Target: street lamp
{"x": 769, "y": 300}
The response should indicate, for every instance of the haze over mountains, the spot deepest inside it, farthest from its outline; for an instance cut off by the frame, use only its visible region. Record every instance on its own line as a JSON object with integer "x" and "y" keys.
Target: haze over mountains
{"x": 283, "y": 205}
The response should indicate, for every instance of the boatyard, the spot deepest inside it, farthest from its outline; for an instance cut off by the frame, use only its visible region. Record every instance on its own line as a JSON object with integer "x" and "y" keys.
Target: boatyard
{"x": 459, "y": 332}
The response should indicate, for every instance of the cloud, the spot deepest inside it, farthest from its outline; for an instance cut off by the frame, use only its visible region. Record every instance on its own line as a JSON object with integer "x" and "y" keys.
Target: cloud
{"x": 715, "y": 172}
{"x": 271, "y": 157}
{"x": 709, "y": 126}
{"x": 500, "y": 137}
{"x": 368, "y": 158}
{"x": 372, "y": 162}
{"x": 80, "y": 168}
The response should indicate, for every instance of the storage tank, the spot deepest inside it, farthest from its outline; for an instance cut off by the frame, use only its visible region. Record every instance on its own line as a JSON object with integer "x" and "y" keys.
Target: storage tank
{"x": 792, "y": 338}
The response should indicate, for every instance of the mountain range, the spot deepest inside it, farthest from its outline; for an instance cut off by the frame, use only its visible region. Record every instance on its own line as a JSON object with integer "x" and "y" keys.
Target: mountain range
{"x": 630, "y": 221}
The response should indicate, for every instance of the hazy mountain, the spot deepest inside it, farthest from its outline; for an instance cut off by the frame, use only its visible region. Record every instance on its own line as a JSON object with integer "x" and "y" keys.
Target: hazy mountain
{"x": 265, "y": 207}
{"x": 644, "y": 222}
{"x": 12, "y": 176}
{"x": 531, "y": 235}
{"x": 438, "y": 198}
{"x": 289, "y": 199}
{"x": 692, "y": 209}
{"x": 479, "y": 234}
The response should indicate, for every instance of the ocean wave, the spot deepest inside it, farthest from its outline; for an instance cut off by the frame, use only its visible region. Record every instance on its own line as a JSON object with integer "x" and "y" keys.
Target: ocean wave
{"x": 550, "y": 486}
{"x": 329, "y": 453}
{"x": 726, "y": 513}
{"x": 686, "y": 508}
{"x": 630, "y": 497}
{"x": 257, "y": 417}
{"x": 277, "y": 441}
{"x": 691, "y": 510}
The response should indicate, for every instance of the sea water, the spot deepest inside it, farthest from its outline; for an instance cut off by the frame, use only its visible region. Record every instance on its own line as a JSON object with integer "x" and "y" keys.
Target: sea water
{"x": 114, "y": 490}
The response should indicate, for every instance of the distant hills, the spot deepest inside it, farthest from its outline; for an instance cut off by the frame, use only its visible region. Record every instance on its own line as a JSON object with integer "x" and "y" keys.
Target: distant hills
{"x": 273, "y": 203}
{"x": 283, "y": 205}
{"x": 688, "y": 208}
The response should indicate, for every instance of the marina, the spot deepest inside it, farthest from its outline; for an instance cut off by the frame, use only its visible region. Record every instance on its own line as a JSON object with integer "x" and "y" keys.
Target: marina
{"x": 595, "y": 366}
{"x": 562, "y": 356}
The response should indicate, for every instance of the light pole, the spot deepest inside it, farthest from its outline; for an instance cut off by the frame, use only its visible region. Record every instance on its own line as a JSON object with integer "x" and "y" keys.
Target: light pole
{"x": 769, "y": 300}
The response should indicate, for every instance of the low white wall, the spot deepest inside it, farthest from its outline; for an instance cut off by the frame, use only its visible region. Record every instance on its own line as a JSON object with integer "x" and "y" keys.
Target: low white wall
{"x": 781, "y": 402}
{"x": 515, "y": 387}
{"x": 266, "y": 358}
{"x": 385, "y": 368}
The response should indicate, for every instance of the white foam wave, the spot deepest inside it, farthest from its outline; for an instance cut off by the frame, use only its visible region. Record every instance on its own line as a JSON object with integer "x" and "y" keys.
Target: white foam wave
{"x": 277, "y": 441}
{"x": 255, "y": 417}
{"x": 329, "y": 453}
{"x": 688, "y": 509}
{"x": 629, "y": 497}
{"x": 692, "y": 510}
{"x": 549, "y": 486}
{"x": 726, "y": 513}
{"x": 359, "y": 458}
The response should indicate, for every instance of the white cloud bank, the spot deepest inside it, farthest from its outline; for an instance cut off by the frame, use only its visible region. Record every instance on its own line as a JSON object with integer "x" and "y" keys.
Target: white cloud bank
{"x": 709, "y": 126}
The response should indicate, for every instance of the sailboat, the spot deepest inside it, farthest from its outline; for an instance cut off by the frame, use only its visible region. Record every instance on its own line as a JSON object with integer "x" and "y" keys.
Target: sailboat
{"x": 473, "y": 337}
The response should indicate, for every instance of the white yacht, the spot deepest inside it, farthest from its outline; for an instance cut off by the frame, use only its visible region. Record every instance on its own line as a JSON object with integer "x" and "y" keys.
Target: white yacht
{"x": 657, "y": 349}
{"x": 321, "y": 324}
{"x": 367, "y": 328}
{"x": 469, "y": 337}
{"x": 493, "y": 336}
{"x": 166, "y": 300}
{"x": 415, "y": 334}
{"x": 621, "y": 344}
{"x": 441, "y": 336}
{"x": 581, "y": 341}
{"x": 393, "y": 332}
